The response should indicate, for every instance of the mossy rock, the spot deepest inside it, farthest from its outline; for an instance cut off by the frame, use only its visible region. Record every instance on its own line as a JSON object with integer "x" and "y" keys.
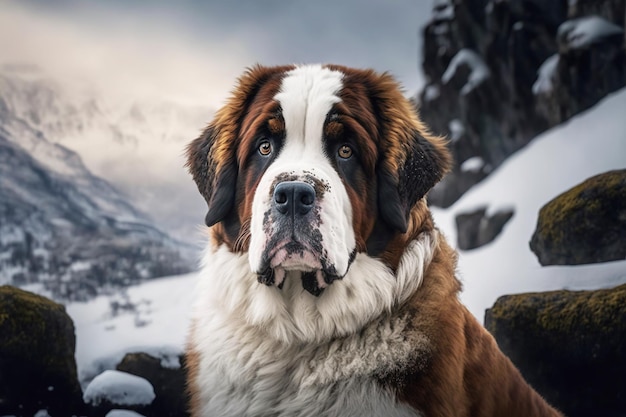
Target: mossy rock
{"x": 37, "y": 365}
{"x": 586, "y": 224}
{"x": 569, "y": 345}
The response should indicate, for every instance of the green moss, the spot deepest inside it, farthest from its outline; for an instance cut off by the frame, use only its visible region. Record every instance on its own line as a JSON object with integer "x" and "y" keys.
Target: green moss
{"x": 35, "y": 327}
{"x": 556, "y": 313}
{"x": 585, "y": 224}
{"x": 592, "y": 199}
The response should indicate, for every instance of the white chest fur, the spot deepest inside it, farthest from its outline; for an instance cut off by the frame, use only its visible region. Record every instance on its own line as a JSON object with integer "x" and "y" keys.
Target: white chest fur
{"x": 242, "y": 373}
{"x": 258, "y": 357}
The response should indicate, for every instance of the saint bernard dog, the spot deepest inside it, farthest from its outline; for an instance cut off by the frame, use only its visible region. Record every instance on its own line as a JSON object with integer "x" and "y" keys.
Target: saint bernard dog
{"x": 326, "y": 289}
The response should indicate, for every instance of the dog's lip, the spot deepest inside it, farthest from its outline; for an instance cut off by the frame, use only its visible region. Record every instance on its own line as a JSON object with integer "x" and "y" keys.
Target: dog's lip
{"x": 306, "y": 260}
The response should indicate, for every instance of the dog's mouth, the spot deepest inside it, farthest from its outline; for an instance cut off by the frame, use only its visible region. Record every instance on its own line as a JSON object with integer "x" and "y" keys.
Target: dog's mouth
{"x": 291, "y": 255}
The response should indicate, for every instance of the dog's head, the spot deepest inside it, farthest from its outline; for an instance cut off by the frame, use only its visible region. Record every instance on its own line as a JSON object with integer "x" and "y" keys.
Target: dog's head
{"x": 307, "y": 166}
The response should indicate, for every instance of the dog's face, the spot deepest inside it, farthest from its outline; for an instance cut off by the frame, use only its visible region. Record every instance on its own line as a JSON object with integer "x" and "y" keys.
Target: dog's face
{"x": 307, "y": 166}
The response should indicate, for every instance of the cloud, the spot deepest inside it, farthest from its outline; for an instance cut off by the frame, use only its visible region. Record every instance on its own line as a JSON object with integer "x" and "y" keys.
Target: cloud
{"x": 192, "y": 47}
{"x": 121, "y": 54}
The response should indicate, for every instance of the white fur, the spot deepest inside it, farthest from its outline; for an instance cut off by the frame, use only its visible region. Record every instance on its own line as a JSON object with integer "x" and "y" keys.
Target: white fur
{"x": 306, "y": 96}
{"x": 267, "y": 352}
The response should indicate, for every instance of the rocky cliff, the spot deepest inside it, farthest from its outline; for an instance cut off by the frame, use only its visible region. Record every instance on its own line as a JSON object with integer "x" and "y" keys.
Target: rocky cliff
{"x": 501, "y": 71}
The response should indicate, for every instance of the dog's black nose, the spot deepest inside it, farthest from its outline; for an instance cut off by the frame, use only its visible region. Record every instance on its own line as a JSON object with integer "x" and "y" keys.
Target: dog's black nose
{"x": 295, "y": 197}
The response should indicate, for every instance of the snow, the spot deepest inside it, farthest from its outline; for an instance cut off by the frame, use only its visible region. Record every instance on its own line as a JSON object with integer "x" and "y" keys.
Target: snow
{"x": 443, "y": 10}
{"x": 431, "y": 92}
{"x": 119, "y": 388}
{"x": 582, "y": 32}
{"x": 479, "y": 70}
{"x": 123, "y": 413}
{"x": 589, "y": 144}
{"x": 152, "y": 317}
{"x": 457, "y": 130}
{"x": 545, "y": 75}
{"x": 473, "y": 164}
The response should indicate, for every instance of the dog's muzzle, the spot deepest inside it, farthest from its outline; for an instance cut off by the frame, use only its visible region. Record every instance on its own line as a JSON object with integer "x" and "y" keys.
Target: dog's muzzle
{"x": 296, "y": 243}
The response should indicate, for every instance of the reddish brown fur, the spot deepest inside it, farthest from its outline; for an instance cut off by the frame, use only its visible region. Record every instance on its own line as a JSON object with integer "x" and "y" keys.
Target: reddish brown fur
{"x": 466, "y": 375}
{"x": 192, "y": 365}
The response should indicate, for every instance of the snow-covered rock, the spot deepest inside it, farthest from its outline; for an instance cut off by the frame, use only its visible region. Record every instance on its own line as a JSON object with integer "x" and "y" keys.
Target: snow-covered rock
{"x": 473, "y": 164}
{"x": 546, "y": 75}
{"x": 456, "y": 129}
{"x": 478, "y": 71}
{"x": 584, "y": 31}
{"x": 119, "y": 388}
{"x": 123, "y": 413}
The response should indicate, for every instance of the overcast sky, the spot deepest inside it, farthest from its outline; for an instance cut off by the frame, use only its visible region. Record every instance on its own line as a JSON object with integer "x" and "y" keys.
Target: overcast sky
{"x": 191, "y": 52}
{"x": 195, "y": 47}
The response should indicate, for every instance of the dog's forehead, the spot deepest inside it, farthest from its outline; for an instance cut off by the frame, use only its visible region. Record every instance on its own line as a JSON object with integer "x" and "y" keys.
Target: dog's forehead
{"x": 306, "y": 95}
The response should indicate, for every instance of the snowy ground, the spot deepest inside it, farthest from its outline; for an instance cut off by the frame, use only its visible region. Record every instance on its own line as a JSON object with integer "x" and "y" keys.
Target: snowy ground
{"x": 156, "y": 325}
{"x": 589, "y": 144}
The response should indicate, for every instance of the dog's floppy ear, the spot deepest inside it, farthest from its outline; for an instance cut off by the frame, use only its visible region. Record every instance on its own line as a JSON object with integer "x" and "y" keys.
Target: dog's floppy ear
{"x": 216, "y": 183}
{"x": 402, "y": 182}
{"x": 411, "y": 160}
{"x": 211, "y": 158}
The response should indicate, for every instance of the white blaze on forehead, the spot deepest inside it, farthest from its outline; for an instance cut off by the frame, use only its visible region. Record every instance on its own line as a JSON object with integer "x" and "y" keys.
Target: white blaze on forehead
{"x": 306, "y": 96}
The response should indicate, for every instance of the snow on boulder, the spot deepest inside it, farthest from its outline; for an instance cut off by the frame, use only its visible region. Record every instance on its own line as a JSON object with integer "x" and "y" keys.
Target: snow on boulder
{"x": 431, "y": 92}
{"x": 582, "y": 32}
{"x": 443, "y": 10}
{"x": 457, "y": 130}
{"x": 169, "y": 382}
{"x": 123, "y": 413}
{"x": 546, "y": 75}
{"x": 479, "y": 71}
{"x": 473, "y": 164}
{"x": 119, "y": 388}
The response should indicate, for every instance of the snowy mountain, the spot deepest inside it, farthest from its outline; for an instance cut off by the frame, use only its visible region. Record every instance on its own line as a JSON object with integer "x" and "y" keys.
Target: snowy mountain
{"x": 135, "y": 143}
{"x": 153, "y": 317}
{"x": 63, "y": 230}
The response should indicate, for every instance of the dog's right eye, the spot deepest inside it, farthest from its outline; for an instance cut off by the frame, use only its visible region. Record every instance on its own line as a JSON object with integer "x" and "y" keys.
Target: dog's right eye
{"x": 265, "y": 148}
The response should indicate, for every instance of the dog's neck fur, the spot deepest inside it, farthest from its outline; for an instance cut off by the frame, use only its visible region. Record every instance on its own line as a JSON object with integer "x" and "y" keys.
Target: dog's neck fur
{"x": 286, "y": 348}
{"x": 291, "y": 315}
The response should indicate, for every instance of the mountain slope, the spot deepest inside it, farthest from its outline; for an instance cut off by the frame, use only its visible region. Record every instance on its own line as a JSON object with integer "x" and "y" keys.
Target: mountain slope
{"x": 136, "y": 143}
{"x": 66, "y": 230}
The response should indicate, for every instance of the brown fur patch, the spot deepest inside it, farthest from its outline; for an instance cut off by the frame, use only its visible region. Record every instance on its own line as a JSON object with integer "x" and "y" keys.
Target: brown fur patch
{"x": 192, "y": 364}
{"x": 231, "y": 129}
{"x": 467, "y": 374}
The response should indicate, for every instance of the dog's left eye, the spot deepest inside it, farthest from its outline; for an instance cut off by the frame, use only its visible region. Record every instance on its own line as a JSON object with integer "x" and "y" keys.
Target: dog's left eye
{"x": 344, "y": 152}
{"x": 265, "y": 148}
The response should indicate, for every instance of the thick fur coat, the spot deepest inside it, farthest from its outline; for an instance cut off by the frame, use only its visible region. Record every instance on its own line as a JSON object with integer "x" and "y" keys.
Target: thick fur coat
{"x": 326, "y": 289}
